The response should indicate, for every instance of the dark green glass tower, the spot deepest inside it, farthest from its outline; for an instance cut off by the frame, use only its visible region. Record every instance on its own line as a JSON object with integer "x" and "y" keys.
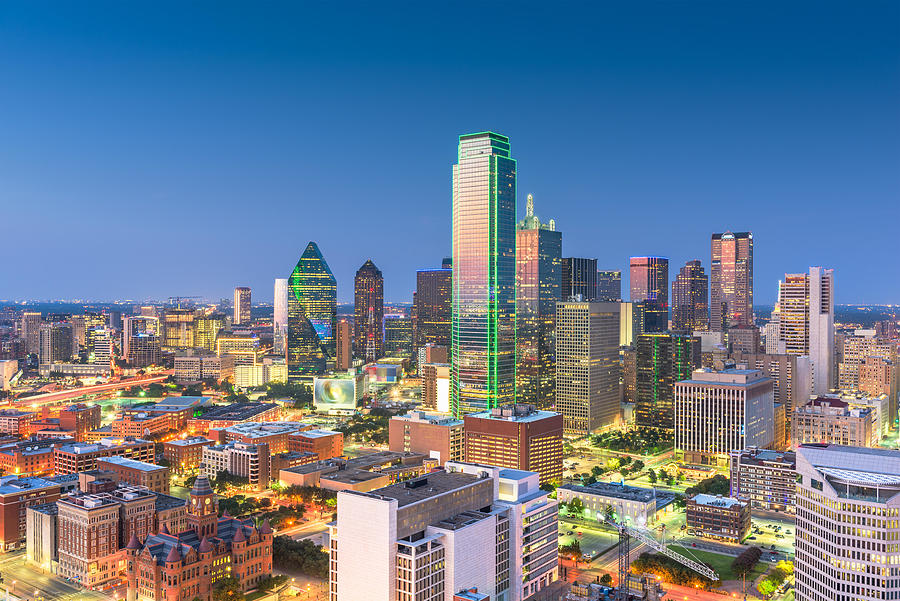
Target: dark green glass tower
{"x": 312, "y": 315}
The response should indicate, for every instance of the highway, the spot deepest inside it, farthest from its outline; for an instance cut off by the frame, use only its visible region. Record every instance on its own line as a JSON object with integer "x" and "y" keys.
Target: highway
{"x": 67, "y": 395}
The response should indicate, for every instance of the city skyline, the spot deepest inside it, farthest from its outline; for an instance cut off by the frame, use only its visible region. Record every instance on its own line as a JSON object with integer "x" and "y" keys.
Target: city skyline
{"x": 712, "y": 121}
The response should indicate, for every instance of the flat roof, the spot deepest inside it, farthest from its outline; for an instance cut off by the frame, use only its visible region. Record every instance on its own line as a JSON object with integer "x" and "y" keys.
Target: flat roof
{"x": 316, "y": 433}
{"x": 615, "y": 491}
{"x": 164, "y": 502}
{"x": 238, "y": 411}
{"x": 511, "y": 474}
{"x": 715, "y": 501}
{"x": 253, "y": 429}
{"x": 133, "y": 464}
{"x": 351, "y": 476}
{"x": 424, "y": 487}
{"x": 184, "y": 442}
{"x": 11, "y": 485}
{"x": 864, "y": 465}
{"x": 531, "y": 415}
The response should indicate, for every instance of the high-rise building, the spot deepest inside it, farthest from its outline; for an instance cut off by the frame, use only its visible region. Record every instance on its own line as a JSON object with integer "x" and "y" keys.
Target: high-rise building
{"x": 792, "y": 375}
{"x": 206, "y": 329}
{"x": 101, "y": 347}
{"x": 587, "y": 365}
{"x": 280, "y": 315}
{"x": 731, "y": 281}
{"x": 368, "y": 302}
{"x": 764, "y": 478}
{"x": 178, "y": 328}
{"x": 517, "y": 437}
{"x": 538, "y": 280}
{"x": 241, "y": 306}
{"x": 471, "y": 527}
{"x": 830, "y": 420}
{"x": 846, "y": 523}
{"x": 690, "y": 312}
{"x": 312, "y": 315}
{"x": 483, "y": 350}
{"x": 855, "y": 350}
{"x": 241, "y": 347}
{"x": 141, "y": 341}
{"x": 649, "y": 281}
{"x": 662, "y": 360}
{"x": 344, "y": 344}
{"x": 806, "y": 322}
{"x": 398, "y": 333}
{"x": 56, "y": 343}
{"x": 433, "y": 306}
{"x": 717, "y": 412}
{"x": 609, "y": 286}
{"x": 435, "y": 386}
{"x": 579, "y": 279}
{"x": 31, "y": 331}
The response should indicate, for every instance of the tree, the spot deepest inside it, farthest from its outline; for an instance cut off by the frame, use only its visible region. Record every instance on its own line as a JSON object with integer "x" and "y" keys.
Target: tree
{"x": 303, "y": 556}
{"x": 227, "y": 589}
{"x": 637, "y": 465}
{"x": 651, "y": 475}
{"x": 744, "y": 562}
{"x": 717, "y": 485}
{"x": 606, "y": 579}
{"x": 269, "y": 582}
{"x": 610, "y": 512}
{"x": 576, "y": 507}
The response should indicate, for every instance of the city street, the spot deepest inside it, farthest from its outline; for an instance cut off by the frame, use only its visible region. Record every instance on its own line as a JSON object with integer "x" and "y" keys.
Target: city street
{"x": 27, "y": 582}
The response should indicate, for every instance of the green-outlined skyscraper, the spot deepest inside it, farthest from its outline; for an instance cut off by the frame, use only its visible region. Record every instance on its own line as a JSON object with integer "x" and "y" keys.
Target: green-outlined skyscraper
{"x": 483, "y": 353}
{"x": 312, "y": 315}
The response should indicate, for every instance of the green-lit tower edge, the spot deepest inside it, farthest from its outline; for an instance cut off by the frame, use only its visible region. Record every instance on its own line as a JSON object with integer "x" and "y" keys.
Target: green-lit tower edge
{"x": 493, "y": 375}
{"x": 315, "y": 351}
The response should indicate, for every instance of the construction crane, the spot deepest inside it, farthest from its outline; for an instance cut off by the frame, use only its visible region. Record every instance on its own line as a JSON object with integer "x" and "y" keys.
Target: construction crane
{"x": 626, "y": 533}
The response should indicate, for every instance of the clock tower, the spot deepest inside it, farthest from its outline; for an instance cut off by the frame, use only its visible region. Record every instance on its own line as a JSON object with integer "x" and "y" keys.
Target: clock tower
{"x": 203, "y": 508}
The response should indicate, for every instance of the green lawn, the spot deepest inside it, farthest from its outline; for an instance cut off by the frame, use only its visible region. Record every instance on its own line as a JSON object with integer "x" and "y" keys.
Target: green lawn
{"x": 720, "y": 563}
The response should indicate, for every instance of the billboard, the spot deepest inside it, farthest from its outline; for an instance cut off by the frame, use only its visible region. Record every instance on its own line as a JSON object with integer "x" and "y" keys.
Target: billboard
{"x": 334, "y": 394}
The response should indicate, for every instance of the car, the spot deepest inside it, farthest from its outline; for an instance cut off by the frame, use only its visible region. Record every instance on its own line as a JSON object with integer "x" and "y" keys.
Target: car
{"x": 751, "y": 538}
{"x": 569, "y": 533}
{"x": 693, "y": 544}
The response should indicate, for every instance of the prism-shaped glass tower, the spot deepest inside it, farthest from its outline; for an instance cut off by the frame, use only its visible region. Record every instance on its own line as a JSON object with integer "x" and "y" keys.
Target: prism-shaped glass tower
{"x": 312, "y": 315}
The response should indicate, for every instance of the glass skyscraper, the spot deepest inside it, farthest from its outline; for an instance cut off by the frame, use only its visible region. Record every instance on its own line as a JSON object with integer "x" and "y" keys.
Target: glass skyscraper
{"x": 538, "y": 283}
{"x": 312, "y": 315}
{"x": 483, "y": 332}
{"x": 649, "y": 280}
{"x": 368, "y": 303}
{"x": 690, "y": 311}
{"x": 731, "y": 281}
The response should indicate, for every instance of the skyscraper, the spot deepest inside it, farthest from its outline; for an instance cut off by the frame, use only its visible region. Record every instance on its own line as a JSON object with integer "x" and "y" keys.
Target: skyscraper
{"x": 649, "y": 280}
{"x": 662, "y": 360}
{"x": 31, "y": 331}
{"x": 241, "y": 306}
{"x": 587, "y": 365}
{"x": 579, "y": 277}
{"x": 368, "y": 302}
{"x": 344, "y": 344}
{"x": 432, "y": 306}
{"x": 280, "y": 315}
{"x": 731, "y": 281}
{"x": 806, "y": 322}
{"x": 141, "y": 341}
{"x": 609, "y": 286}
{"x": 483, "y": 351}
{"x": 538, "y": 279}
{"x": 689, "y": 298}
{"x": 55, "y": 343}
{"x": 312, "y": 315}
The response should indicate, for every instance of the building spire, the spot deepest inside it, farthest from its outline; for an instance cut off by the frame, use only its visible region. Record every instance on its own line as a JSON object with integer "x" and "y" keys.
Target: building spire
{"x": 529, "y": 206}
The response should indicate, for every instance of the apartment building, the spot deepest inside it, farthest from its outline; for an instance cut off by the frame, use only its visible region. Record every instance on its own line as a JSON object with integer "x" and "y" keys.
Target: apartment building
{"x": 764, "y": 478}
{"x": 718, "y": 517}
{"x": 437, "y": 436}
{"x": 833, "y": 421}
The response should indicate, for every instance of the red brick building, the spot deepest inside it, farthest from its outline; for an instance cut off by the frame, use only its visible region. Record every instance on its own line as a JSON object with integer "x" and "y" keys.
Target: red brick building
{"x": 16, "y": 495}
{"x": 324, "y": 443}
{"x": 517, "y": 437}
{"x": 185, "y": 454}
{"x": 432, "y": 435}
{"x": 29, "y": 457}
{"x": 174, "y": 567}
{"x": 80, "y": 457}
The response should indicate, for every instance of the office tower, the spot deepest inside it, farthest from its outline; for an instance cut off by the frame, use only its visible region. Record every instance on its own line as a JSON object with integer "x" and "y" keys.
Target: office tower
{"x": 241, "y": 347}
{"x": 879, "y": 375}
{"x": 649, "y": 280}
{"x": 241, "y": 306}
{"x": 56, "y": 343}
{"x": 368, "y": 302}
{"x": 436, "y": 436}
{"x": 587, "y": 365}
{"x": 806, "y": 321}
{"x": 435, "y": 386}
{"x": 141, "y": 341}
{"x": 398, "y": 334}
{"x": 855, "y": 350}
{"x": 579, "y": 279}
{"x": 662, "y": 360}
{"x": 689, "y": 299}
{"x": 609, "y": 286}
{"x": 433, "y": 353}
{"x": 846, "y": 523}
{"x": 517, "y": 437}
{"x": 629, "y": 374}
{"x": 433, "y": 306}
{"x": 280, "y": 315}
{"x": 483, "y": 350}
{"x": 731, "y": 281}
{"x": 31, "y": 331}
{"x": 764, "y": 478}
{"x": 178, "y": 328}
{"x": 344, "y": 344}
{"x": 717, "y": 412}
{"x": 538, "y": 280}
{"x": 792, "y": 375}
{"x": 101, "y": 347}
{"x": 473, "y": 526}
{"x": 114, "y": 319}
{"x": 829, "y": 420}
{"x": 744, "y": 340}
{"x": 632, "y": 321}
{"x": 312, "y": 315}
{"x": 206, "y": 329}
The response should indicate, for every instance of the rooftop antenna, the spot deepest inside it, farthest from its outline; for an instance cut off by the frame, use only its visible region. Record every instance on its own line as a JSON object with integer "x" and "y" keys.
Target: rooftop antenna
{"x": 529, "y": 206}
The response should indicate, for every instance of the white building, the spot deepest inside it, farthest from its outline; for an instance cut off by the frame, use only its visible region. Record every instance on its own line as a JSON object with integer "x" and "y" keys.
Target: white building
{"x": 280, "y": 315}
{"x": 637, "y": 506}
{"x": 848, "y": 520}
{"x": 426, "y": 538}
{"x": 806, "y": 322}
{"x": 717, "y": 412}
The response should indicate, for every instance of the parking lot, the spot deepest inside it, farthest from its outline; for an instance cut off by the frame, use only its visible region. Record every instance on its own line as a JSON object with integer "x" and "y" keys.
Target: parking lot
{"x": 592, "y": 540}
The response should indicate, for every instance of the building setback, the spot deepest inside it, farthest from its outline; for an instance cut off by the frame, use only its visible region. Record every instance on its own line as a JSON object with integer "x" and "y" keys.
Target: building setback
{"x": 830, "y": 420}
{"x": 731, "y": 281}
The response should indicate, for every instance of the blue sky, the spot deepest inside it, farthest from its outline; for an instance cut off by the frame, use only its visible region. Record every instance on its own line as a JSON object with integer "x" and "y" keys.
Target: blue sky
{"x": 157, "y": 149}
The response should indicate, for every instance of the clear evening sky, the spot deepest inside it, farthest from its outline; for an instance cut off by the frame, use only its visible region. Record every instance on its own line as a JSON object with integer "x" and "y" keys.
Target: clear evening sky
{"x": 156, "y": 149}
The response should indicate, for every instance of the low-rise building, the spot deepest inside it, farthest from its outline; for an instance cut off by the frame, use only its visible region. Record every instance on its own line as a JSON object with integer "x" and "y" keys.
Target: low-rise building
{"x": 637, "y": 506}
{"x": 719, "y": 517}
{"x": 139, "y": 473}
{"x": 832, "y": 421}
{"x": 274, "y": 434}
{"x": 16, "y": 496}
{"x": 438, "y": 436}
{"x": 363, "y": 473}
{"x": 30, "y": 457}
{"x": 15, "y": 422}
{"x": 326, "y": 444}
{"x": 236, "y": 413}
{"x": 251, "y": 461}
{"x": 765, "y": 479}
{"x": 185, "y": 454}
{"x": 81, "y": 457}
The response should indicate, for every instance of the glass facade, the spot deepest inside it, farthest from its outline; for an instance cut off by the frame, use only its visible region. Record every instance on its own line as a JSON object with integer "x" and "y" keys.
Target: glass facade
{"x": 650, "y": 282}
{"x": 609, "y": 286}
{"x": 483, "y": 349}
{"x": 662, "y": 360}
{"x": 731, "y": 281}
{"x": 368, "y": 306}
{"x": 538, "y": 283}
{"x": 579, "y": 279}
{"x": 690, "y": 289}
{"x": 432, "y": 304}
{"x": 312, "y": 315}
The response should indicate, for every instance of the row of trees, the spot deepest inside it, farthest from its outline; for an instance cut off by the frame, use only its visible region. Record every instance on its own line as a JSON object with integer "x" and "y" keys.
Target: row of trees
{"x": 302, "y": 556}
{"x": 775, "y": 578}
{"x": 669, "y": 570}
{"x": 717, "y": 485}
{"x": 643, "y": 441}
